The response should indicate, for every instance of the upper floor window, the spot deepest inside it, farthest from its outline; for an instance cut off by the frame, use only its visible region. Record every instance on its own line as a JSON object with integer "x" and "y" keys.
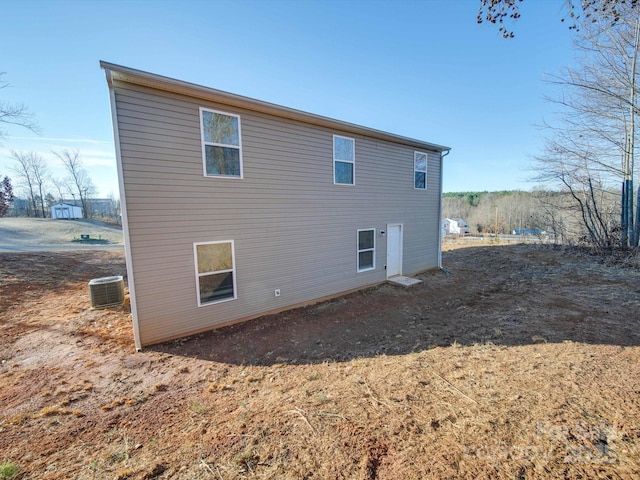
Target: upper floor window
{"x": 221, "y": 145}
{"x": 344, "y": 156}
{"x": 419, "y": 170}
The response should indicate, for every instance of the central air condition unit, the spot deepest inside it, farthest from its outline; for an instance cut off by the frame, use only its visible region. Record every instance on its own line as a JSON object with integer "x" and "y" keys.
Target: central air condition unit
{"x": 106, "y": 291}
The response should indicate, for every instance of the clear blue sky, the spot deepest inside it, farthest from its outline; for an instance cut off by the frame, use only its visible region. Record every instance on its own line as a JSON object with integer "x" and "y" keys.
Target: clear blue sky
{"x": 421, "y": 68}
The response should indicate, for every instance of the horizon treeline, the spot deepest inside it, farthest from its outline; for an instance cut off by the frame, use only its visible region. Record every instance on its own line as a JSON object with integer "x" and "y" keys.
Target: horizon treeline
{"x": 504, "y": 211}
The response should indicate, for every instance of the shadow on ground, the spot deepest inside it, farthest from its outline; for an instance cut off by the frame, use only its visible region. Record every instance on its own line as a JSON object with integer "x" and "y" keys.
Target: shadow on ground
{"x": 506, "y": 295}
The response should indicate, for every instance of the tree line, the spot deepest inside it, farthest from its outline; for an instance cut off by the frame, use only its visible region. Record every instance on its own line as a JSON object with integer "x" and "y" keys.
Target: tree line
{"x": 590, "y": 148}
{"x": 33, "y": 190}
{"x": 41, "y": 190}
{"x": 509, "y": 211}
{"x": 586, "y": 171}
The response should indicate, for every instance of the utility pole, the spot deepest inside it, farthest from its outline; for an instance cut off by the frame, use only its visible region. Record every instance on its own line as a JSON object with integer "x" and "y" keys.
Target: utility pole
{"x": 627, "y": 234}
{"x": 633, "y": 227}
{"x": 629, "y": 224}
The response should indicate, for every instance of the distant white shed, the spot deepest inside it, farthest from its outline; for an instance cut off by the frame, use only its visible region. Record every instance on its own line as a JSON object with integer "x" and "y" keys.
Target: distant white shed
{"x": 66, "y": 211}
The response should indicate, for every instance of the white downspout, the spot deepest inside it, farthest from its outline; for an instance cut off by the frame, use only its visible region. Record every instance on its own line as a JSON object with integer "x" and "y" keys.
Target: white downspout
{"x": 442, "y": 155}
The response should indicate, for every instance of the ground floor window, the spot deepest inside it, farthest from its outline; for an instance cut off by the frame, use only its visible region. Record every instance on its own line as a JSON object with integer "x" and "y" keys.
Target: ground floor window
{"x": 366, "y": 249}
{"x": 215, "y": 271}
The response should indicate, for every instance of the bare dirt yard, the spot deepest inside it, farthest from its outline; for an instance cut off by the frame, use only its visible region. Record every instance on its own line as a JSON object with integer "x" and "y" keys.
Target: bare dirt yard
{"x": 524, "y": 362}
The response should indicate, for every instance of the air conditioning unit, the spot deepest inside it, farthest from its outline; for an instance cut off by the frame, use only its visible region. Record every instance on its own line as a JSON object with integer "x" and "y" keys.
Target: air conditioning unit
{"x": 106, "y": 291}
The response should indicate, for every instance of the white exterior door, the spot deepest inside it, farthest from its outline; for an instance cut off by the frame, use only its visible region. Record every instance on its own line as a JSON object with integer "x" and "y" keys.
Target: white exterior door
{"x": 394, "y": 250}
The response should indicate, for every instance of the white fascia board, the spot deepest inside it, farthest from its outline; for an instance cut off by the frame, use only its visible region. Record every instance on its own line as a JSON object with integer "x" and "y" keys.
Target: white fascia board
{"x": 125, "y": 220}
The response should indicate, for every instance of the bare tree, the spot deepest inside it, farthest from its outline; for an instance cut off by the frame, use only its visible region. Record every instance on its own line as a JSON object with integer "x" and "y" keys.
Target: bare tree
{"x": 502, "y": 12}
{"x": 23, "y": 171}
{"x": 551, "y": 208}
{"x": 40, "y": 174}
{"x": 591, "y": 148}
{"x": 60, "y": 186}
{"x": 497, "y": 212}
{"x": 79, "y": 179}
{"x": 587, "y": 188}
{"x": 15, "y": 113}
{"x": 31, "y": 169}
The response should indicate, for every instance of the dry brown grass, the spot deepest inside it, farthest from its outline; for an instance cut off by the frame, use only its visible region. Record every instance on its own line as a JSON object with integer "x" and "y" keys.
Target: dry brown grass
{"x": 524, "y": 363}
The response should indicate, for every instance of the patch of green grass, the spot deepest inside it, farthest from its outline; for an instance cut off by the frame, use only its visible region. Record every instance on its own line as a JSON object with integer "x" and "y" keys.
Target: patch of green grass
{"x": 9, "y": 471}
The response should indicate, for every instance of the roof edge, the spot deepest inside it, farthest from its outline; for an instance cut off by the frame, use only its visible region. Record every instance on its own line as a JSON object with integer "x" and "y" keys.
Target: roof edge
{"x": 119, "y": 73}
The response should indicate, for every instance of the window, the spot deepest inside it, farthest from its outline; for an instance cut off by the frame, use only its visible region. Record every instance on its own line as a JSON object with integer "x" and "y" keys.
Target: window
{"x": 215, "y": 271}
{"x": 419, "y": 170}
{"x": 366, "y": 250}
{"x": 221, "y": 147}
{"x": 343, "y": 160}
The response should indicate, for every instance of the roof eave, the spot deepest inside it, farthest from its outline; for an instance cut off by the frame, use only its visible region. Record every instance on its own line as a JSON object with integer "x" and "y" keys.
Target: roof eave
{"x": 118, "y": 73}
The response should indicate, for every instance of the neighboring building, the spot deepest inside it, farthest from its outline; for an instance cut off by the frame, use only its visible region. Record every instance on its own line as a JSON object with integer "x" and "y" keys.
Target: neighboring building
{"x": 97, "y": 207}
{"x": 233, "y": 207}
{"x": 102, "y": 207}
{"x": 65, "y": 211}
{"x": 455, "y": 226}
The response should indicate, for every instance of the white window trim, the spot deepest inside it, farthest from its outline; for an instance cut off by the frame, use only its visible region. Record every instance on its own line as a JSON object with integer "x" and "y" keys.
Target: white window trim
{"x": 204, "y": 144}
{"x": 352, "y": 162}
{"x": 368, "y": 269}
{"x": 198, "y": 274}
{"x": 426, "y": 170}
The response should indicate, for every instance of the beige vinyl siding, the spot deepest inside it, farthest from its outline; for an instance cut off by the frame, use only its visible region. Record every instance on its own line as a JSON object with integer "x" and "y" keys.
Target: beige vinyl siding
{"x": 292, "y": 228}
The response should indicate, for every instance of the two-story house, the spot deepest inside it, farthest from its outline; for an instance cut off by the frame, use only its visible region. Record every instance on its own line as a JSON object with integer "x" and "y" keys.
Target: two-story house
{"x": 233, "y": 207}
